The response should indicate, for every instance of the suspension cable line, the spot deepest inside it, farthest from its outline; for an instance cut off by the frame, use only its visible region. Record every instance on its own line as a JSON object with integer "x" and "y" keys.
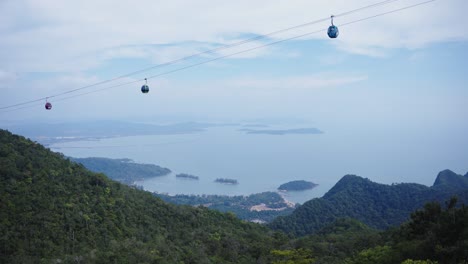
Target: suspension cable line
{"x": 235, "y": 44}
{"x": 217, "y": 58}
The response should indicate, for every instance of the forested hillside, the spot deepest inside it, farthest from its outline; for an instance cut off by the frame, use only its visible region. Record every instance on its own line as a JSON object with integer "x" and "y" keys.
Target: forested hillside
{"x": 377, "y": 205}
{"x": 449, "y": 180}
{"x": 435, "y": 234}
{"x": 259, "y": 207}
{"x": 54, "y": 210}
{"x": 122, "y": 170}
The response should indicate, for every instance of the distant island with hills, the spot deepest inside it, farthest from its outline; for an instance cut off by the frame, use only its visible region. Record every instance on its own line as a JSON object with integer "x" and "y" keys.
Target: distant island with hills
{"x": 187, "y": 176}
{"x": 123, "y": 170}
{"x": 53, "y": 133}
{"x": 283, "y": 131}
{"x": 300, "y": 185}
{"x": 227, "y": 181}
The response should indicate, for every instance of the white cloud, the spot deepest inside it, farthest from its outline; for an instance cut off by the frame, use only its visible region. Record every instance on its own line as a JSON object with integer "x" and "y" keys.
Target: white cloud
{"x": 71, "y": 39}
{"x": 296, "y": 82}
{"x": 253, "y": 96}
{"x": 6, "y": 76}
{"x": 52, "y": 35}
{"x": 360, "y": 50}
{"x": 436, "y": 22}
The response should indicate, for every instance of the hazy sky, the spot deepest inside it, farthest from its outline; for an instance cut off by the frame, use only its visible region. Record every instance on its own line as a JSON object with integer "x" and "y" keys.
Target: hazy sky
{"x": 406, "y": 68}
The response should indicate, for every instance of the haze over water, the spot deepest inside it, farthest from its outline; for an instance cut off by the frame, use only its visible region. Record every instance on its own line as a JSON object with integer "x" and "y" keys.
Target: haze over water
{"x": 262, "y": 162}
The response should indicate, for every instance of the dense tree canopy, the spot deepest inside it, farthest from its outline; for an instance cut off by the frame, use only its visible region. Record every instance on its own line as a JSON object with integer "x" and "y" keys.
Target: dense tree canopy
{"x": 273, "y": 204}
{"x": 377, "y": 205}
{"x": 54, "y": 209}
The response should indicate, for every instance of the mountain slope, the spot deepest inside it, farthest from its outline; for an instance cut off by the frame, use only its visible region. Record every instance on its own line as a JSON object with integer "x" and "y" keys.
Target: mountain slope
{"x": 54, "y": 210}
{"x": 449, "y": 180}
{"x": 377, "y": 205}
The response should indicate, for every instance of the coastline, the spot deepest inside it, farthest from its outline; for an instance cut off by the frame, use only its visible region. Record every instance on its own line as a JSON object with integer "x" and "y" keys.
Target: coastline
{"x": 286, "y": 201}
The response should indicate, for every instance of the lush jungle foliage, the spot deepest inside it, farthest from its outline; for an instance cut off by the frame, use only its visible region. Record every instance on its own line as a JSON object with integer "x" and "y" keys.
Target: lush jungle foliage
{"x": 126, "y": 171}
{"x": 434, "y": 234}
{"x": 377, "y": 205}
{"x": 239, "y": 205}
{"x": 449, "y": 180}
{"x": 54, "y": 210}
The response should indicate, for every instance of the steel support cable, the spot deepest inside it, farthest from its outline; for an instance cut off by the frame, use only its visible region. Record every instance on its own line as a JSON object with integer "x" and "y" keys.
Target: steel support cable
{"x": 233, "y": 54}
{"x": 201, "y": 53}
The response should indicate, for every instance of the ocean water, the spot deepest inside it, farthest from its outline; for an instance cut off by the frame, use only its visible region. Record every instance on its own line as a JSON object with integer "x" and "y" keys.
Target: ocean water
{"x": 261, "y": 162}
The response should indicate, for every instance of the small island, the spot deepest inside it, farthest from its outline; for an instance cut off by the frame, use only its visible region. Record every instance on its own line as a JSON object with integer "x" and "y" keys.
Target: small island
{"x": 186, "y": 176}
{"x": 297, "y": 186}
{"x": 280, "y": 132}
{"x": 227, "y": 181}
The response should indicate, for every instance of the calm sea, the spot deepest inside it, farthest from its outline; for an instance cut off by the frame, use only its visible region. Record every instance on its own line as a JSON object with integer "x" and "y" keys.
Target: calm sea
{"x": 263, "y": 162}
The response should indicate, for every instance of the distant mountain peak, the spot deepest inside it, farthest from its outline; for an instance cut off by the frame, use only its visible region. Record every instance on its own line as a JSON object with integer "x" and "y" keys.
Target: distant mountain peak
{"x": 448, "y": 178}
{"x": 447, "y": 171}
{"x": 375, "y": 204}
{"x": 445, "y": 175}
{"x": 346, "y": 182}
{"x": 352, "y": 177}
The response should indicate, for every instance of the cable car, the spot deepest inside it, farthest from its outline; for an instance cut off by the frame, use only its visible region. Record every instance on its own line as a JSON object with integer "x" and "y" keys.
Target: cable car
{"x": 48, "y": 106}
{"x": 333, "y": 31}
{"x": 145, "y": 87}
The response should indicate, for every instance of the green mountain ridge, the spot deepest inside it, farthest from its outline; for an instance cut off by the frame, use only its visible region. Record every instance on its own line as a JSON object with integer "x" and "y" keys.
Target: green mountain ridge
{"x": 388, "y": 208}
{"x": 377, "y": 205}
{"x": 448, "y": 179}
{"x": 53, "y": 210}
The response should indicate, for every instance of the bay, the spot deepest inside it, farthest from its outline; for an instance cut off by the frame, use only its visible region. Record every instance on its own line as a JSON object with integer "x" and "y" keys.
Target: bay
{"x": 262, "y": 162}
{"x": 259, "y": 162}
